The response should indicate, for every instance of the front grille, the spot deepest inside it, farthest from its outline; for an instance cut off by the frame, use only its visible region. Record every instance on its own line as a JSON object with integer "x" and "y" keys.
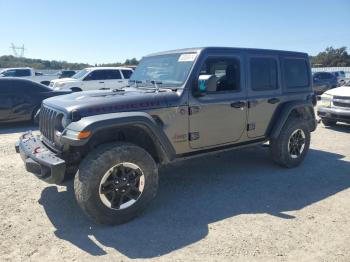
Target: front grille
{"x": 342, "y": 97}
{"x": 341, "y": 104}
{"x": 341, "y": 101}
{"x": 47, "y": 122}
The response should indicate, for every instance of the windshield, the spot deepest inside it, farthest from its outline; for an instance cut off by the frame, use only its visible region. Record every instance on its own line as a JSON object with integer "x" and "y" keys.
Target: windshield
{"x": 171, "y": 70}
{"x": 80, "y": 74}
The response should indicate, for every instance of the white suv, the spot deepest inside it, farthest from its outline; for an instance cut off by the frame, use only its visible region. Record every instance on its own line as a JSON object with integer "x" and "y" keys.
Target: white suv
{"x": 94, "y": 78}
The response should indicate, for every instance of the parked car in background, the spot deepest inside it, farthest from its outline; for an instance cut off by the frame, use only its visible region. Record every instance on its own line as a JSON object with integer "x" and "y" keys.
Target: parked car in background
{"x": 28, "y": 73}
{"x": 323, "y": 81}
{"x": 20, "y": 99}
{"x": 341, "y": 77}
{"x": 66, "y": 73}
{"x": 95, "y": 78}
{"x": 334, "y": 106}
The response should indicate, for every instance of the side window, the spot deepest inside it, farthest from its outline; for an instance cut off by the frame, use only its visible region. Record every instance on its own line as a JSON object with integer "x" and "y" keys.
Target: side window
{"x": 112, "y": 74}
{"x": 9, "y": 73}
{"x": 127, "y": 73}
{"x": 96, "y": 75}
{"x": 226, "y": 72}
{"x": 296, "y": 73}
{"x": 263, "y": 73}
{"x": 22, "y": 72}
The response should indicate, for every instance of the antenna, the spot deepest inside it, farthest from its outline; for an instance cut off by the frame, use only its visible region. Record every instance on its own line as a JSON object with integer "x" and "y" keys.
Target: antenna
{"x": 18, "y": 51}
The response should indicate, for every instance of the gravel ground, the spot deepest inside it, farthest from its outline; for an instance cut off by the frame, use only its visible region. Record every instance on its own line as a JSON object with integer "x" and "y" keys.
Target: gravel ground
{"x": 236, "y": 206}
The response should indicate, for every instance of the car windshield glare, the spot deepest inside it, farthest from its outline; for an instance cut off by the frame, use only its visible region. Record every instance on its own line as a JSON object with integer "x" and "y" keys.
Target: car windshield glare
{"x": 171, "y": 69}
{"x": 80, "y": 74}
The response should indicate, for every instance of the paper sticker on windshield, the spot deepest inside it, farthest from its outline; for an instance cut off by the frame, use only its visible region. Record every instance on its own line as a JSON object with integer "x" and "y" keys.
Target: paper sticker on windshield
{"x": 187, "y": 57}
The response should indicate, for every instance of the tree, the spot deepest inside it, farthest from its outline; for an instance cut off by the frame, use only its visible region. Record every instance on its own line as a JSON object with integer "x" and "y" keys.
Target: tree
{"x": 331, "y": 57}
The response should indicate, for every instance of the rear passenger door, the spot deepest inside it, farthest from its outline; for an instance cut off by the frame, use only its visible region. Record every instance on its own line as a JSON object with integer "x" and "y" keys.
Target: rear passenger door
{"x": 113, "y": 79}
{"x": 264, "y": 92}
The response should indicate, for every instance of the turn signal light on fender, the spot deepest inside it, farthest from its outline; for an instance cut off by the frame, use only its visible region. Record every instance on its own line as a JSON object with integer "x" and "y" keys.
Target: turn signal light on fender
{"x": 84, "y": 134}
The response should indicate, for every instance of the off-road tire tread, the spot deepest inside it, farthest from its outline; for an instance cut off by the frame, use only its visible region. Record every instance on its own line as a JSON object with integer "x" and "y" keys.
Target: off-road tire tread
{"x": 279, "y": 145}
{"x": 94, "y": 166}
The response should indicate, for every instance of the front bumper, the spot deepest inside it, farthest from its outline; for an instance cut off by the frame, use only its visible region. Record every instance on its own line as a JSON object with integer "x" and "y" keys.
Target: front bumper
{"x": 39, "y": 160}
{"x": 334, "y": 113}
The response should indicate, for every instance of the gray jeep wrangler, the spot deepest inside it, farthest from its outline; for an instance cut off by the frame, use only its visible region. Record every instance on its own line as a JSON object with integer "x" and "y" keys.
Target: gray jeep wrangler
{"x": 178, "y": 104}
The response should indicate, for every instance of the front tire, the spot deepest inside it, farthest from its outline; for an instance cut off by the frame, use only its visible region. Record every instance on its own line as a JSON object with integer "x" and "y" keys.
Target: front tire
{"x": 292, "y": 144}
{"x": 115, "y": 183}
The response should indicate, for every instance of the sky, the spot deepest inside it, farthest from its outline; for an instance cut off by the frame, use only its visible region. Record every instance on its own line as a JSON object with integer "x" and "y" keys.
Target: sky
{"x": 109, "y": 31}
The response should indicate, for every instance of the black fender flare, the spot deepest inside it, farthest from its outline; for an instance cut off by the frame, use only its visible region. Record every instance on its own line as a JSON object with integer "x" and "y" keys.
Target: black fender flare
{"x": 286, "y": 110}
{"x": 101, "y": 122}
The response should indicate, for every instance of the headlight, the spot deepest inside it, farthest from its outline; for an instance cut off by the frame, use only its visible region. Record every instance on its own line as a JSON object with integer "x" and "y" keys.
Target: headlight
{"x": 326, "y": 100}
{"x": 60, "y": 84}
{"x": 65, "y": 122}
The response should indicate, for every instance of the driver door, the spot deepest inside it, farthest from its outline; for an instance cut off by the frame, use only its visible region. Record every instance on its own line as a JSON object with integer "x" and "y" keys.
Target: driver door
{"x": 220, "y": 116}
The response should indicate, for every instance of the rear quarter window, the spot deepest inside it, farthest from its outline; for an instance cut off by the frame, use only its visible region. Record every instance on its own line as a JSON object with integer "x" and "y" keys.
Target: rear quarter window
{"x": 127, "y": 73}
{"x": 296, "y": 73}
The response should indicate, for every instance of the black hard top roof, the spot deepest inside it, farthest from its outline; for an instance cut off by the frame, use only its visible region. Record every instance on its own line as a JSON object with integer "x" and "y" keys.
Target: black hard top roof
{"x": 225, "y": 49}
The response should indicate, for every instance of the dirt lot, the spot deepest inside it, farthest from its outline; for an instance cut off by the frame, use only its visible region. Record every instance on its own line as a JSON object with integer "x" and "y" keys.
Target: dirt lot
{"x": 229, "y": 207}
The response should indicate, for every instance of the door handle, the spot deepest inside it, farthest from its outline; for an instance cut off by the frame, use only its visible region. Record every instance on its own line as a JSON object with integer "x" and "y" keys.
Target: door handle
{"x": 101, "y": 82}
{"x": 273, "y": 100}
{"x": 239, "y": 104}
{"x": 120, "y": 81}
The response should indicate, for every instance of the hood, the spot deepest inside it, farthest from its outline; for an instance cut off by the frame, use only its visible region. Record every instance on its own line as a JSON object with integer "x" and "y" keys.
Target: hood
{"x": 89, "y": 103}
{"x": 339, "y": 91}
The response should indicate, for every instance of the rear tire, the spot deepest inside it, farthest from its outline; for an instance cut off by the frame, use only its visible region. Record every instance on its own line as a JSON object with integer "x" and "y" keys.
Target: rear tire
{"x": 292, "y": 144}
{"x": 328, "y": 122}
{"x": 99, "y": 183}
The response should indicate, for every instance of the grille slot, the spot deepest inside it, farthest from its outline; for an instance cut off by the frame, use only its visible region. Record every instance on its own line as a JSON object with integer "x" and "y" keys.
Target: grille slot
{"x": 47, "y": 122}
{"x": 341, "y": 104}
{"x": 341, "y": 101}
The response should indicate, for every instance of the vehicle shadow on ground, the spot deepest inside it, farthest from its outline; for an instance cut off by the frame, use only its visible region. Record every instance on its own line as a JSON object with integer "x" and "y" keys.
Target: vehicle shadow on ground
{"x": 17, "y": 128}
{"x": 340, "y": 127}
{"x": 198, "y": 192}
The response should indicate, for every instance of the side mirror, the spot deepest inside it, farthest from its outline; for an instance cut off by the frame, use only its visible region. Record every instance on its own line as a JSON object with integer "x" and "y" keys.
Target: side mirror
{"x": 316, "y": 79}
{"x": 205, "y": 84}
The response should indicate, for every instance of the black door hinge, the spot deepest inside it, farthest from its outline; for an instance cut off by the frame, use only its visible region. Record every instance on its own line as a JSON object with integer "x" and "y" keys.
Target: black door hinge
{"x": 193, "y": 136}
{"x": 193, "y": 110}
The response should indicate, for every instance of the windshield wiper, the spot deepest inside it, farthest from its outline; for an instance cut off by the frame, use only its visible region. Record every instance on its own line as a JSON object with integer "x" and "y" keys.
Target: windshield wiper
{"x": 120, "y": 89}
{"x": 155, "y": 85}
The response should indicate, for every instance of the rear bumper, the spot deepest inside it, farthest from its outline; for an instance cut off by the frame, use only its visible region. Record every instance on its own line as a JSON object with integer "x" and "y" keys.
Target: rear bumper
{"x": 39, "y": 160}
{"x": 338, "y": 114}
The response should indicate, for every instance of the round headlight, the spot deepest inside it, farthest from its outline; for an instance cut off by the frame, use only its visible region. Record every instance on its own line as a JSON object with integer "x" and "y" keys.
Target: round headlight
{"x": 65, "y": 122}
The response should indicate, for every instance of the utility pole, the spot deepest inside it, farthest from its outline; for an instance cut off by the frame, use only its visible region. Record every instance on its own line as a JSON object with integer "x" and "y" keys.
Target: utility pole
{"x": 18, "y": 51}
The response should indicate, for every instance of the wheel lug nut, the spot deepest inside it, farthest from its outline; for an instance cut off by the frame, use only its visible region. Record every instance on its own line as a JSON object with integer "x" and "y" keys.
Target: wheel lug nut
{"x": 128, "y": 184}
{"x": 116, "y": 189}
{"x": 123, "y": 190}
